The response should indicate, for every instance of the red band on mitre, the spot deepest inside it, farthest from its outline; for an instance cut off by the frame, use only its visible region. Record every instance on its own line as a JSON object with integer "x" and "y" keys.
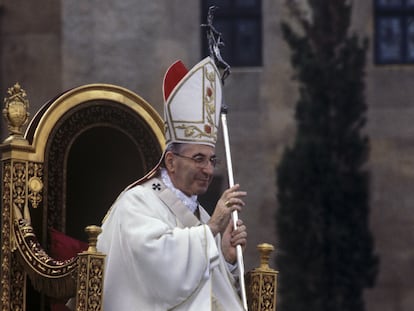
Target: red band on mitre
{"x": 173, "y": 76}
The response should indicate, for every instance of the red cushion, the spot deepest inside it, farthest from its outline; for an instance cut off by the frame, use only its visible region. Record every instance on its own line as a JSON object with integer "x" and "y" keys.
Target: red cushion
{"x": 59, "y": 307}
{"x": 63, "y": 247}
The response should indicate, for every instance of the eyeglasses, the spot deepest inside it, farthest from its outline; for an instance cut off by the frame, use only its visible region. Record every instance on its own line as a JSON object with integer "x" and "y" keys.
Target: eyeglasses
{"x": 200, "y": 160}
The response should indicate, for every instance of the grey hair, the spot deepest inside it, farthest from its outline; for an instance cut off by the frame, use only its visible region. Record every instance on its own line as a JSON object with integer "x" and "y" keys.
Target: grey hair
{"x": 174, "y": 148}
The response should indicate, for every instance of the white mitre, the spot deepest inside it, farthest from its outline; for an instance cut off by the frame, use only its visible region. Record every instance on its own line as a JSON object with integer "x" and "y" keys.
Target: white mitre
{"x": 192, "y": 103}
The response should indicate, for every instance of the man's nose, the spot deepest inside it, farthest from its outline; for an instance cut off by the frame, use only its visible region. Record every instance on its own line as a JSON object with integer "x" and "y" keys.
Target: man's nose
{"x": 209, "y": 168}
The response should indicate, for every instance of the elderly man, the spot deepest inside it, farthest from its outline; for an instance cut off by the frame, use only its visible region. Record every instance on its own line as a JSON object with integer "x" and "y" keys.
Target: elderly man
{"x": 164, "y": 252}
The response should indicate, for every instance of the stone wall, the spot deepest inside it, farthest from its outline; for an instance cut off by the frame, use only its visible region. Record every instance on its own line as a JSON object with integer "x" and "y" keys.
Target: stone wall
{"x": 30, "y": 49}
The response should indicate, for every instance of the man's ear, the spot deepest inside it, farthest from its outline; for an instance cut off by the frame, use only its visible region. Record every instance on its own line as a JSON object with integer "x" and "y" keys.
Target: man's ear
{"x": 169, "y": 161}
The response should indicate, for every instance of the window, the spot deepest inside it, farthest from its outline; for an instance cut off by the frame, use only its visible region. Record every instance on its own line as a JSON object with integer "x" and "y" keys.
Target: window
{"x": 394, "y": 31}
{"x": 240, "y": 23}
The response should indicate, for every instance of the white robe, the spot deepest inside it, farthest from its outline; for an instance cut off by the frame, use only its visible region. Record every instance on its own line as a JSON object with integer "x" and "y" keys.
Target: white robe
{"x": 161, "y": 257}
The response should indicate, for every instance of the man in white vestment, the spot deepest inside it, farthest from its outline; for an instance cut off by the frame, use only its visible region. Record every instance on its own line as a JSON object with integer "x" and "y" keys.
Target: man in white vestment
{"x": 164, "y": 251}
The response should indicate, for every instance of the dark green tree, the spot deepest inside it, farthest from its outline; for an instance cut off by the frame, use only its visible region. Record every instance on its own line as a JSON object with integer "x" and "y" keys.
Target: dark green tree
{"x": 325, "y": 253}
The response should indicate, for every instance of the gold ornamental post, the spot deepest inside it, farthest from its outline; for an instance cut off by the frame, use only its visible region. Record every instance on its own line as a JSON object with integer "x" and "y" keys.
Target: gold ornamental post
{"x": 262, "y": 283}
{"x": 16, "y": 106}
{"x": 89, "y": 293}
{"x": 15, "y": 171}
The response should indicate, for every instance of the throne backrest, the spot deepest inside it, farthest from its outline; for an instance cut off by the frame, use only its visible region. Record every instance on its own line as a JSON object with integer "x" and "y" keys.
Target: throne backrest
{"x": 78, "y": 152}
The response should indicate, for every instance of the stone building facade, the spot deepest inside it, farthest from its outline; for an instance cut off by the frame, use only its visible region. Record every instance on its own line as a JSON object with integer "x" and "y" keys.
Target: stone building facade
{"x": 49, "y": 46}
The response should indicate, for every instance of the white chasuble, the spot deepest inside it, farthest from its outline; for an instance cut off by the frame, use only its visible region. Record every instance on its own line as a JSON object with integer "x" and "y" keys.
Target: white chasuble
{"x": 161, "y": 257}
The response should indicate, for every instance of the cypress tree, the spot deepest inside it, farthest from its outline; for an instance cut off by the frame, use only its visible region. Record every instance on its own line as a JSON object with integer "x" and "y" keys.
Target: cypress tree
{"x": 325, "y": 253}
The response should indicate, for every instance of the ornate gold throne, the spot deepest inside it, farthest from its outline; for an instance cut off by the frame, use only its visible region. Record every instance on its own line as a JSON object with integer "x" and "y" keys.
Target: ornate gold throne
{"x": 57, "y": 174}
{"x": 77, "y": 154}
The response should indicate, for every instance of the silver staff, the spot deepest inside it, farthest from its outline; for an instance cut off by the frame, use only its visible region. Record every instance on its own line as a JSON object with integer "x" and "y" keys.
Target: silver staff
{"x": 235, "y": 215}
{"x": 215, "y": 42}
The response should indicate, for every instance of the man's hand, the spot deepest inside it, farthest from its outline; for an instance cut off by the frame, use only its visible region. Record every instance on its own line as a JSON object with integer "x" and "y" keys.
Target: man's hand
{"x": 230, "y": 201}
{"x": 231, "y": 238}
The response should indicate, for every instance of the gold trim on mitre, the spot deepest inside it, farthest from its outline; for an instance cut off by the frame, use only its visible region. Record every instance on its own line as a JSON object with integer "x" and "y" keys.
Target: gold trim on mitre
{"x": 192, "y": 109}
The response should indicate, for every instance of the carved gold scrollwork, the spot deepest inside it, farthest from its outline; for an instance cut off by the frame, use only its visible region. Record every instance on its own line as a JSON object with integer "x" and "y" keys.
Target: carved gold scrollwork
{"x": 19, "y": 177}
{"x": 35, "y": 183}
{"x": 18, "y": 287}
{"x": 262, "y": 291}
{"x": 95, "y": 284}
{"x": 254, "y": 293}
{"x": 90, "y": 275}
{"x": 262, "y": 283}
{"x": 268, "y": 292}
{"x": 22, "y": 183}
{"x": 81, "y": 299}
{"x": 52, "y": 277}
{"x": 6, "y": 239}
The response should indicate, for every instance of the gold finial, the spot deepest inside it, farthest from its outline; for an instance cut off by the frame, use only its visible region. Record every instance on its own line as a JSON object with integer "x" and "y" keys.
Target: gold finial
{"x": 265, "y": 250}
{"x": 15, "y": 111}
{"x": 93, "y": 232}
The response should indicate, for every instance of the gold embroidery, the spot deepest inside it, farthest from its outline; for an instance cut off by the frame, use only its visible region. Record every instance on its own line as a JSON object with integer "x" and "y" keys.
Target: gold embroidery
{"x": 209, "y": 107}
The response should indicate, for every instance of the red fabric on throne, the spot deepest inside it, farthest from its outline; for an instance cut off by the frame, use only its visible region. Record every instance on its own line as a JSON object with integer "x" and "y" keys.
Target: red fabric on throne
{"x": 63, "y": 247}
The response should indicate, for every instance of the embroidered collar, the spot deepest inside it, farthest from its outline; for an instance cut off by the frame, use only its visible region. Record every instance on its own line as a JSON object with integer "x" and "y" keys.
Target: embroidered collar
{"x": 190, "y": 202}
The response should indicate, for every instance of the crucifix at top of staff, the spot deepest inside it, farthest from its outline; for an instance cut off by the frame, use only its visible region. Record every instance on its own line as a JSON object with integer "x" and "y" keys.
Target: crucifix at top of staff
{"x": 215, "y": 43}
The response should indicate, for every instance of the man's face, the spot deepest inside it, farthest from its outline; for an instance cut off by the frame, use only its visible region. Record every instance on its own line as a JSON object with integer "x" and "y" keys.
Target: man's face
{"x": 191, "y": 170}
